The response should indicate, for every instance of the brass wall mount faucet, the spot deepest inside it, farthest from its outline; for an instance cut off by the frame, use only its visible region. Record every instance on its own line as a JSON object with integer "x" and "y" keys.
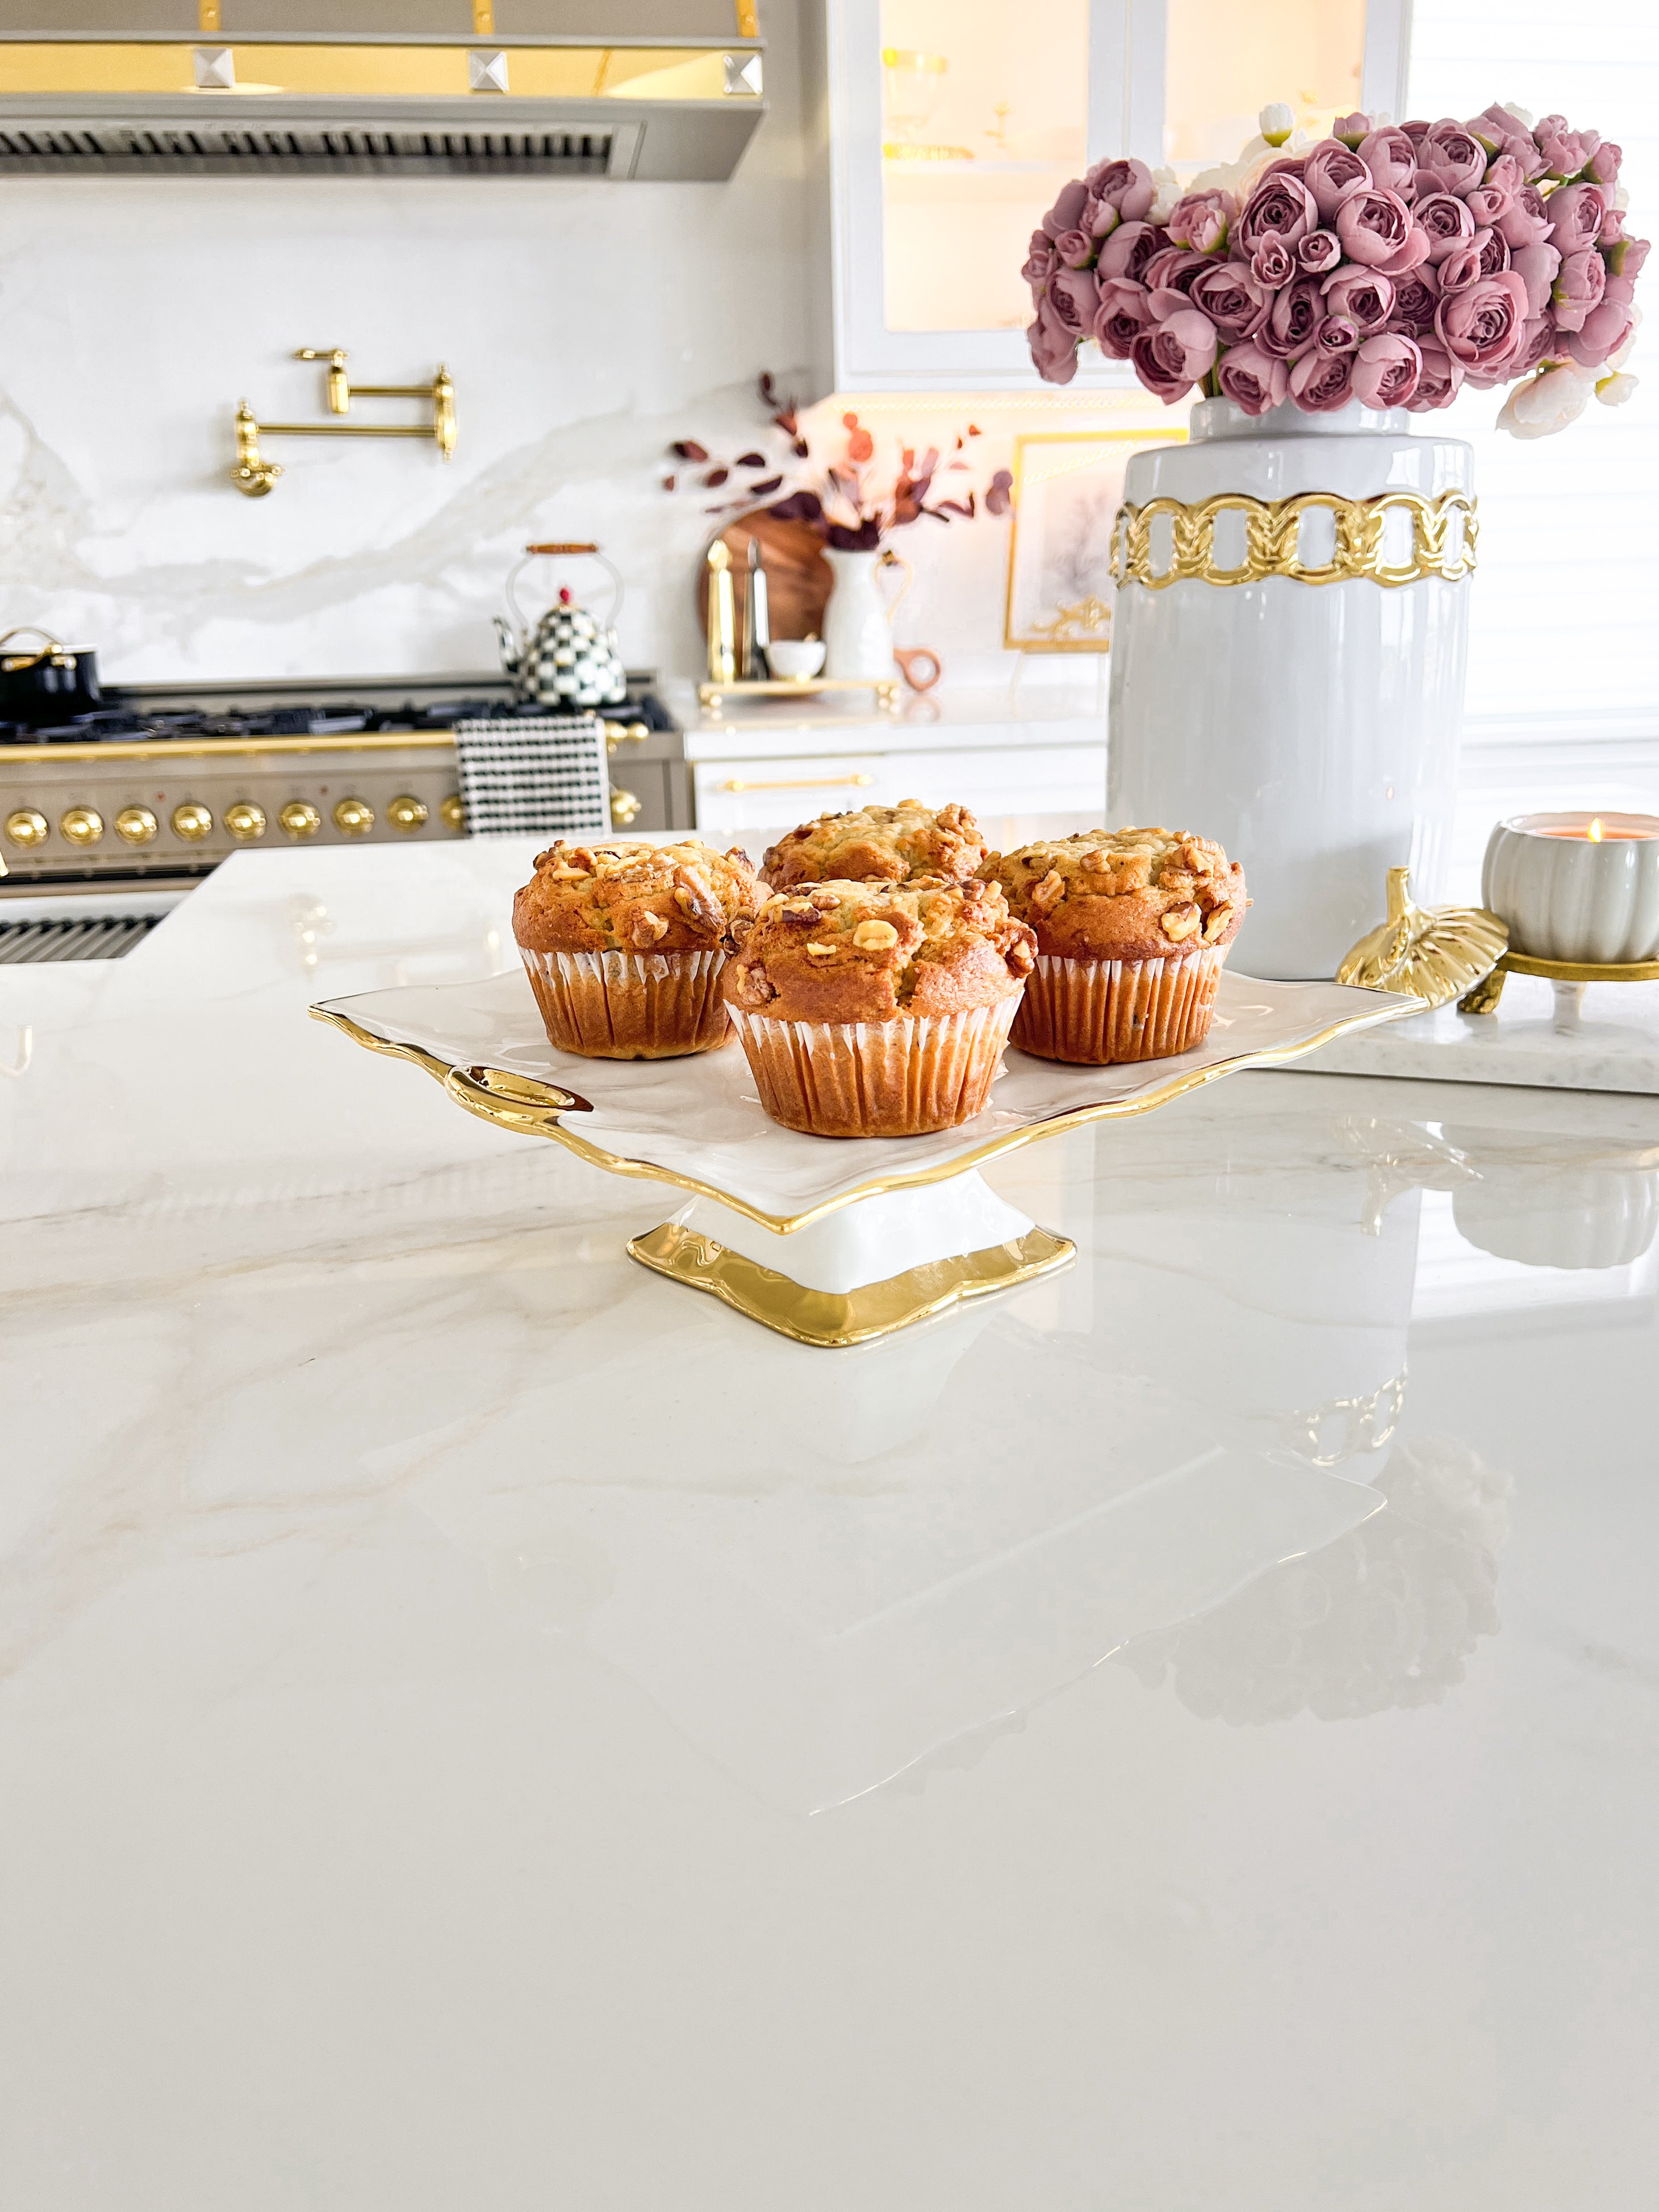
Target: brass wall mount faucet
{"x": 255, "y": 476}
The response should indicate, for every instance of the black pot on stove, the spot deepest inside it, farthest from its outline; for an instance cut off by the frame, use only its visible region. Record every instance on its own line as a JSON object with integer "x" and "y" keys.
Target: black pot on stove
{"x": 50, "y": 686}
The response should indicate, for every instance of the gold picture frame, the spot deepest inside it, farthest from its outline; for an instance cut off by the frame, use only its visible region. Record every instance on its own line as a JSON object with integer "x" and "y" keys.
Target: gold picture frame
{"x": 1068, "y": 486}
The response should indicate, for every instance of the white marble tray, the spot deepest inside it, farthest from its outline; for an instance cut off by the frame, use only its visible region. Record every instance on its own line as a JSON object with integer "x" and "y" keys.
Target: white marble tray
{"x": 1611, "y": 1043}
{"x": 697, "y": 1122}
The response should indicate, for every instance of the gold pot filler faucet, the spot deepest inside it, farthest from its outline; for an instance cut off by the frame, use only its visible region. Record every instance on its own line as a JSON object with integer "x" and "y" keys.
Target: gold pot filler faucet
{"x": 255, "y": 476}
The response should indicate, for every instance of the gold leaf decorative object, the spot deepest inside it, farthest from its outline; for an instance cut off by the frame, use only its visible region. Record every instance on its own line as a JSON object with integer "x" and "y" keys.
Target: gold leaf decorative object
{"x": 1432, "y": 953}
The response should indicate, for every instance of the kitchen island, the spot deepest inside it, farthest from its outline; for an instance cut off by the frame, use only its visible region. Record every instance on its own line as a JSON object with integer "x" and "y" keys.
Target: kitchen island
{"x": 482, "y": 1725}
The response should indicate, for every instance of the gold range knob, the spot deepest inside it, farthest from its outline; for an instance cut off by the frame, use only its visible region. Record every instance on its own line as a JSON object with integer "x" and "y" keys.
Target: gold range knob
{"x": 451, "y": 813}
{"x": 28, "y": 827}
{"x": 624, "y": 808}
{"x": 354, "y": 817}
{"x": 135, "y": 825}
{"x": 82, "y": 825}
{"x": 299, "y": 820}
{"x": 624, "y": 734}
{"x": 245, "y": 821}
{"x": 191, "y": 822}
{"x": 407, "y": 813}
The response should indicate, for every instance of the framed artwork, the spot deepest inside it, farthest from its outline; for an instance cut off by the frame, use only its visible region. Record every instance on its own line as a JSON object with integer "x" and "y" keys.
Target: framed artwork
{"x": 1068, "y": 486}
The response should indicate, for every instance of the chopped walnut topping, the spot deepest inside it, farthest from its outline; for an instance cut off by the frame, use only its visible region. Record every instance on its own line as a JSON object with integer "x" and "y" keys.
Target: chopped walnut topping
{"x": 802, "y": 909}
{"x": 1047, "y": 894}
{"x": 649, "y": 929}
{"x": 820, "y": 952}
{"x": 875, "y": 937}
{"x": 1214, "y": 927}
{"x": 825, "y": 901}
{"x": 1020, "y": 958}
{"x": 1179, "y": 922}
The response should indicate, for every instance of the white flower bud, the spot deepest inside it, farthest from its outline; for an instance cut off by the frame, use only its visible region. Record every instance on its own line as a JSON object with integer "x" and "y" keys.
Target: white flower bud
{"x": 1526, "y": 121}
{"x": 1613, "y": 391}
{"x": 1277, "y": 122}
{"x": 1547, "y": 403}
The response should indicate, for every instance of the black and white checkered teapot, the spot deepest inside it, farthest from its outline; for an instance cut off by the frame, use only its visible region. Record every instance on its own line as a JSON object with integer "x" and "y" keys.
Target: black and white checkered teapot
{"x": 570, "y": 658}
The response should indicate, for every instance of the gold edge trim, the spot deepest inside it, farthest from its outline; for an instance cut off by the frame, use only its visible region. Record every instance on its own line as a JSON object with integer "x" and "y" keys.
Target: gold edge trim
{"x": 522, "y": 1120}
{"x": 1581, "y": 971}
{"x": 1272, "y": 534}
{"x": 828, "y": 1320}
{"x": 368, "y": 741}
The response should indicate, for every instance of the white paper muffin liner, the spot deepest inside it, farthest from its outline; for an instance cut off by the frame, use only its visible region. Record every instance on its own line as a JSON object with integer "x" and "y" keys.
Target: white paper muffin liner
{"x": 1098, "y": 1013}
{"x": 896, "y": 1079}
{"x": 630, "y": 1006}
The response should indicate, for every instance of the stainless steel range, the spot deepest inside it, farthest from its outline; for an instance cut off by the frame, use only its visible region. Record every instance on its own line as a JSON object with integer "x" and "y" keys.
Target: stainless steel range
{"x": 157, "y": 787}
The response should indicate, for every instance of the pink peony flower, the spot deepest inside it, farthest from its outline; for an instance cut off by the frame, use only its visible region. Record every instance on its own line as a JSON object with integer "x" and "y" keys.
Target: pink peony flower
{"x": 1040, "y": 262}
{"x": 1074, "y": 249}
{"x": 1366, "y": 299}
{"x": 1376, "y": 228}
{"x": 1539, "y": 342}
{"x": 1440, "y": 377}
{"x": 1417, "y": 132}
{"x": 1295, "y": 315}
{"x": 1336, "y": 334}
{"x": 1123, "y": 315}
{"x": 1201, "y": 221}
{"x": 1352, "y": 130}
{"x": 1628, "y": 257}
{"x": 1483, "y": 327}
{"x": 1578, "y": 287}
{"x": 1282, "y": 207}
{"x": 1392, "y": 160}
{"x": 1494, "y": 254}
{"x": 1536, "y": 265}
{"x": 1446, "y": 221}
{"x": 1127, "y": 251}
{"x": 1526, "y": 221}
{"x": 1606, "y": 162}
{"x": 1233, "y": 298}
{"x": 1460, "y": 269}
{"x": 1386, "y": 371}
{"x": 1487, "y": 202}
{"x": 1274, "y": 262}
{"x": 1100, "y": 218}
{"x": 1318, "y": 252}
{"x": 1606, "y": 328}
{"x": 1073, "y": 294}
{"x": 1566, "y": 151}
{"x": 1576, "y": 213}
{"x": 1334, "y": 172}
{"x": 1504, "y": 135}
{"x": 1127, "y": 186}
{"x": 1415, "y": 298}
{"x": 1163, "y": 383}
{"x": 1067, "y": 210}
{"x": 1450, "y": 160}
{"x": 1252, "y": 379}
{"x": 1054, "y": 348}
{"x": 1173, "y": 268}
{"x": 1185, "y": 343}
{"x": 1320, "y": 385}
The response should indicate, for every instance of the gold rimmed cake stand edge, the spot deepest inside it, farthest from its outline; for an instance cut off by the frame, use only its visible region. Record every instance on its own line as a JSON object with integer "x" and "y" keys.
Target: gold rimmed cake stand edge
{"x": 833, "y": 1320}
{"x": 529, "y": 1108}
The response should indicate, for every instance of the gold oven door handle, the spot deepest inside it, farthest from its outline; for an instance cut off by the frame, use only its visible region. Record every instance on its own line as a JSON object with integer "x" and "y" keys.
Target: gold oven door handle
{"x": 800, "y": 783}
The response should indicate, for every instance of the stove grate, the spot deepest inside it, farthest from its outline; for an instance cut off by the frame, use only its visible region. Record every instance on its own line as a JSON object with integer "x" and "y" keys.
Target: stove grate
{"x": 101, "y": 937}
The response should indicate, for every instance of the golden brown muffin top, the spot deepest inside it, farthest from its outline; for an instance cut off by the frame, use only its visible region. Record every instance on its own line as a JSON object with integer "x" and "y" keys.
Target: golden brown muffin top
{"x": 879, "y": 844}
{"x": 1123, "y": 893}
{"x": 871, "y": 951}
{"x": 630, "y": 897}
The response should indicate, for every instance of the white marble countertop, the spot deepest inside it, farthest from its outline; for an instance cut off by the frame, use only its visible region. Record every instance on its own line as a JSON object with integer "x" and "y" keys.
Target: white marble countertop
{"x": 481, "y": 1725}
{"x": 1034, "y": 709}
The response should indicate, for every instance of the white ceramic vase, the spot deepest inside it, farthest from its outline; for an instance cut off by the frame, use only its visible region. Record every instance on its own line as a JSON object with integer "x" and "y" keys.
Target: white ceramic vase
{"x": 857, "y": 628}
{"x": 1311, "y": 727}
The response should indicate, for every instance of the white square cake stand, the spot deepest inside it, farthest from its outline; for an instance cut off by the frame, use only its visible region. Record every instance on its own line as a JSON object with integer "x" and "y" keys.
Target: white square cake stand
{"x": 875, "y": 1233}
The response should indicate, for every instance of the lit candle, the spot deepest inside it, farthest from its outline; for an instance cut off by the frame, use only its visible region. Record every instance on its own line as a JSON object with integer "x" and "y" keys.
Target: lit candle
{"x": 1577, "y": 887}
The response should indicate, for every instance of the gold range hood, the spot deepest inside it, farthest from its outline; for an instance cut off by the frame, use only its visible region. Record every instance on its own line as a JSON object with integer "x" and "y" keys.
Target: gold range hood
{"x": 650, "y": 89}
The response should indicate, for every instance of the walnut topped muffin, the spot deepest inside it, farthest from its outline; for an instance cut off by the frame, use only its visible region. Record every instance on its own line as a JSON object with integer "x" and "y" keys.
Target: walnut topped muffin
{"x": 879, "y": 844}
{"x": 866, "y": 951}
{"x": 1131, "y": 928}
{"x": 631, "y": 897}
{"x": 1123, "y": 893}
{"x": 877, "y": 1009}
{"x": 624, "y": 945}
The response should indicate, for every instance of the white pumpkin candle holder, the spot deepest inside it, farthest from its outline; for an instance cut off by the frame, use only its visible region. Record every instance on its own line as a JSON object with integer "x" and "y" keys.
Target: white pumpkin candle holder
{"x": 1580, "y": 894}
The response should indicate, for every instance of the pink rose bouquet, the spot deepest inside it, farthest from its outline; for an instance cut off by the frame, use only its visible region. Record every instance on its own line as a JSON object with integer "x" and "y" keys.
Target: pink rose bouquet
{"x": 1390, "y": 265}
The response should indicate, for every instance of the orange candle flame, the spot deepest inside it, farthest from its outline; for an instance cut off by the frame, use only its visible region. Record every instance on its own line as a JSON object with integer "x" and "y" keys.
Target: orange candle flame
{"x": 1595, "y": 830}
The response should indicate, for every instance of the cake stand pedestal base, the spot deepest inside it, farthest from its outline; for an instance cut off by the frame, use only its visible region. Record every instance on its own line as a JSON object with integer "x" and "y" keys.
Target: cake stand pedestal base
{"x": 863, "y": 1271}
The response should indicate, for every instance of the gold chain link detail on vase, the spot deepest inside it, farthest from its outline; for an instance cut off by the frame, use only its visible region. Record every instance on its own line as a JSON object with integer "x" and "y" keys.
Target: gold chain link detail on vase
{"x": 1443, "y": 533}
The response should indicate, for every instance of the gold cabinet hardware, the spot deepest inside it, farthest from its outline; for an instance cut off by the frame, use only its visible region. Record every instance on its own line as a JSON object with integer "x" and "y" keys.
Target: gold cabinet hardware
{"x": 354, "y": 817}
{"x": 299, "y": 820}
{"x": 624, "y": 734}
{"x": 256, "y": 476}
{"x": 82, "y": 825}
{"x": 135, "y": 825}
{"x": 624, "y": 808}
{"x": 191, "y": 822}
{"x": 28, "y": 827}
{"x": 407, "y": 813}
{"x": 800, "y": 783}
{"x": 245, "y": 821}
{"x": 451, "y": 812}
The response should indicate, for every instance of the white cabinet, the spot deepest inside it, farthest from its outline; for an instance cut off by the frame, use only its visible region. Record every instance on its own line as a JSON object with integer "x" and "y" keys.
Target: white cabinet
{"x": 945, "y": 128}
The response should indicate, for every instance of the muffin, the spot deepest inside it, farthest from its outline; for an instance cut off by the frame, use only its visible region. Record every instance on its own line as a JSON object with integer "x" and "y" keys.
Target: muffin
{"x": 624, "y": 945}
{"x": 877, "y": 1009}
{"x": 1132, "y": 927}
{"x": 879, "y": 844}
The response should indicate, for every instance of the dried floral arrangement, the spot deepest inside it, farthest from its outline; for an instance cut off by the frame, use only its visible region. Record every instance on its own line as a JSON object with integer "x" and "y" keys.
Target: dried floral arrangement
{"x": 854, "y": 500}
{"x": 1389, "y": 265}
